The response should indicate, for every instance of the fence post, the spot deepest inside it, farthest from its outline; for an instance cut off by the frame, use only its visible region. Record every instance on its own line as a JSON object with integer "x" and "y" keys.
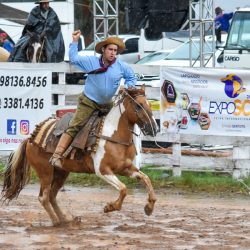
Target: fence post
{"x": 241, "y": 155}
{"x": 62, "y": 96}
{"x": 176, "y": 157}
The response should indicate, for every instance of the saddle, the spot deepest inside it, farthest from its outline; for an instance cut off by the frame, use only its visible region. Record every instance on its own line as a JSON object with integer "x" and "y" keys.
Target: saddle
{"x": 86, "y": 140}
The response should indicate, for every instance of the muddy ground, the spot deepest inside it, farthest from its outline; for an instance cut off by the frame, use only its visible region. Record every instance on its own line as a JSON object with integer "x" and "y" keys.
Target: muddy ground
{"x": 180, "y": 221}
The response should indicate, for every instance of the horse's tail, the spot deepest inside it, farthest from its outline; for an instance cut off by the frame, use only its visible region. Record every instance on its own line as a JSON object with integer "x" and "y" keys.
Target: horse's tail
{"x": 16, "y": 174}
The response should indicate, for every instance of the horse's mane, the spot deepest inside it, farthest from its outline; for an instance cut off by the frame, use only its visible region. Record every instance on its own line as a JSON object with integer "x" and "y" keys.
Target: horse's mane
{"x": 34, "y": 38}
{"x": 133, "y": 92}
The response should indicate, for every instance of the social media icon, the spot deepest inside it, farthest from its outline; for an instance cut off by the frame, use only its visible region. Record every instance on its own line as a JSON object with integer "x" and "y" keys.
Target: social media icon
{"x": 24, "y": 127}
{"x": 11, "y": 127}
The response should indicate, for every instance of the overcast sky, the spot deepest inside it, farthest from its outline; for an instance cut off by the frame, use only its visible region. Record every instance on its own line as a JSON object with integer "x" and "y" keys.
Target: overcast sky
{"x": 230, "y": 5}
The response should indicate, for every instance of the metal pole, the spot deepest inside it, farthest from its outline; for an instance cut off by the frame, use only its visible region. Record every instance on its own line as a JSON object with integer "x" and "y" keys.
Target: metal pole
{"x": 106, "y": 20}
{"x": 202, "y": 21}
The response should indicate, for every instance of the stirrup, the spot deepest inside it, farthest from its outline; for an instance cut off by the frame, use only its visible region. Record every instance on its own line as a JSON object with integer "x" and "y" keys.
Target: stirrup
{"x": 55, "y": 161}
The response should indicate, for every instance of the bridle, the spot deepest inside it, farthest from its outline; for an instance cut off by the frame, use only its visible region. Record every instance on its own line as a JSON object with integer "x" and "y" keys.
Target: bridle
{"x": 139, "y": 111}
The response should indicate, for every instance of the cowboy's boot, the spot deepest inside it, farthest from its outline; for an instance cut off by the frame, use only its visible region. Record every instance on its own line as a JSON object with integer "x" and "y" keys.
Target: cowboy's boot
{"x": 62, "y": 145}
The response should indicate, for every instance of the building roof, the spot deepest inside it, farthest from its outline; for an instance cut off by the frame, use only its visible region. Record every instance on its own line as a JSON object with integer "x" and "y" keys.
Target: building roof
{"x": 12, "y": 14}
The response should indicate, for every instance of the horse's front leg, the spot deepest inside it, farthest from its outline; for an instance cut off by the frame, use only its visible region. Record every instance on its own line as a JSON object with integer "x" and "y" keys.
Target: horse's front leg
{"x": 115, "y": 182}
{"x": 151, "y": 194}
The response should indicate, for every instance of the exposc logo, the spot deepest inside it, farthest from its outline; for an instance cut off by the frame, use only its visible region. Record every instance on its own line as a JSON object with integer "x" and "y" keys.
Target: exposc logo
{"x": 234, "y": 85}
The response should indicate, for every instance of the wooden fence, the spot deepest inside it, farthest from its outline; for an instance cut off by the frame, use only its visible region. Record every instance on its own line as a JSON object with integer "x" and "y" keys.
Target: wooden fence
{"x": 238, "y": 163}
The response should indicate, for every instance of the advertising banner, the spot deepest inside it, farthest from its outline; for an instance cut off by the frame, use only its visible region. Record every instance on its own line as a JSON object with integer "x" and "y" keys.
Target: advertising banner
{"x": 205, "y": 101}
{"x": 25, "y": 100}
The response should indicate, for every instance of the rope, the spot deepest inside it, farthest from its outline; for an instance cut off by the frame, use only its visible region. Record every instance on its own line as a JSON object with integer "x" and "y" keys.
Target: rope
{"x": 150, "y": 122}
{"x": 205, "y": 154}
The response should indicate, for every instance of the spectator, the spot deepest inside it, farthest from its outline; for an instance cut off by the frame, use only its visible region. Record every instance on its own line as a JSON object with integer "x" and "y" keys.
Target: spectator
{"x": 104, "y": 75}
{"x": 44, "y": 22}
{"x": 222, "y": 23}
{"x": 5, "y": 43}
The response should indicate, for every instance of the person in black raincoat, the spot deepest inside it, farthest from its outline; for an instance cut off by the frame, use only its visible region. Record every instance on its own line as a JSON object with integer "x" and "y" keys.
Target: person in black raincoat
{"x": 44, "y": 22}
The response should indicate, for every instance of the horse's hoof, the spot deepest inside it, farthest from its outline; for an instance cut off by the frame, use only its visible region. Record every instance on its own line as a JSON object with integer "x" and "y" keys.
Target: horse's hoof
{"x": 148, "y": 210}
{"x": 109, "y": 208}
{"x": 56, "y": 223}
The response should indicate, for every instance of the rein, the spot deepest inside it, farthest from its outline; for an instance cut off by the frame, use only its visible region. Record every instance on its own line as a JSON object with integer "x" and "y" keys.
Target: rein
{"x": 41, "y": 51}
{"x": 113, "y": 140}
{"x": 117, "y": 102}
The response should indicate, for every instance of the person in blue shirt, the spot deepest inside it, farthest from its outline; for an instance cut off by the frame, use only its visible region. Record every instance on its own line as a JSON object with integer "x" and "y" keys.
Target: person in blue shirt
{"x": 103, "y": 80}
{"x": 221, "y": 22}
{"x": 6, "y": 44}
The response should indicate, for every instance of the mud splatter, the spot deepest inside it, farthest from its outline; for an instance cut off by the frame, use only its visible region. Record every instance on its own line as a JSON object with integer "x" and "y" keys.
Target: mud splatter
{"x": 178, "y": 222}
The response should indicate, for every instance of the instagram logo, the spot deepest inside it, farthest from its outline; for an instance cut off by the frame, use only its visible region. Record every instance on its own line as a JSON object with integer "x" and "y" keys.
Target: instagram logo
{"x": 24, "y": 127}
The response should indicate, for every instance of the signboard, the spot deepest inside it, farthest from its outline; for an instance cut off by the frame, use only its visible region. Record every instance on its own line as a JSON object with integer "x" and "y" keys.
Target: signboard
{"x": 205, "y": 101}
{"x": 25, "y": 100}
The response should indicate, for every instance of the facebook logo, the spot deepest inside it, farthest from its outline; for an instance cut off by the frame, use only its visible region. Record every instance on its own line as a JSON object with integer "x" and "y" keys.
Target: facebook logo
{"x": 11, "y": 127}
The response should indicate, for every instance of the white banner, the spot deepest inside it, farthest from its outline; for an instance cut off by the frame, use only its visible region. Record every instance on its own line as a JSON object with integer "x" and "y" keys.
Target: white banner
{"x": 205, "y": 101}
{"x": 25, "y": 100}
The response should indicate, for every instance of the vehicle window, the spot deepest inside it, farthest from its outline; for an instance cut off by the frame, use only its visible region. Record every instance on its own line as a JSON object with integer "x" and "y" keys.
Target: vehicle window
{"x": 239, "y": 36}
{"x": 131, "y": 46}
{"x": 182, "y": 52}
{"x": 153, "y": 57}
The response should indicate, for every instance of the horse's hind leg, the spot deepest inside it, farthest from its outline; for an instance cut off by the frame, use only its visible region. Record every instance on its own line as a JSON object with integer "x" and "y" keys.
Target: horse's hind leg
{"x": 151, "y": 194}
{"x": 39, "y": 161}
{"x": 115, "y": 182}
{"x": 58, "y": 181}
{"x": 44, "y": 200}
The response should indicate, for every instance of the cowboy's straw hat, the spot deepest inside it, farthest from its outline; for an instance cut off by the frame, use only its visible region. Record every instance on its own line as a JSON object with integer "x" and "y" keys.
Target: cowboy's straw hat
{"x": 43, "y": 1}
{"x": 110, "y": 40}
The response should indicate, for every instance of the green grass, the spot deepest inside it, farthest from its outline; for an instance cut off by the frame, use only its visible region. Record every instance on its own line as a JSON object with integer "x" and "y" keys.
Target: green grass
{"x": 162, "y": 179}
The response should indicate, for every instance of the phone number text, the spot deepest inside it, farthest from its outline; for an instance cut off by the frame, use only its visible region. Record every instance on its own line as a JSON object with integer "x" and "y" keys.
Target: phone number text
{"x": 20, "y": 103}
{"x": 21, "y": 81}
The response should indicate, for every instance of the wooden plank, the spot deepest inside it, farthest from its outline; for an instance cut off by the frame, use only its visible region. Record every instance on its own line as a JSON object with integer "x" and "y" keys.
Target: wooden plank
{"x": 190, "y": 162}
{"x": 188, "y": 152}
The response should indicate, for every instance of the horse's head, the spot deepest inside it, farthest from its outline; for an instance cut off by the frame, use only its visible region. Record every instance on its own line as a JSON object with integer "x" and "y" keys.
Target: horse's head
{"x": 138, "y": 110}
{"x": 35, "y": 51}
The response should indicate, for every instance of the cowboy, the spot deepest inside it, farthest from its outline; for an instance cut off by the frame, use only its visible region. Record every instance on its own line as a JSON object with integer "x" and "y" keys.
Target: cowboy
{"x": 43, "y": 21}
{"x": 104, "y": 75}
{"x": 5, "y": 42}
{"x": 221, "y": 22}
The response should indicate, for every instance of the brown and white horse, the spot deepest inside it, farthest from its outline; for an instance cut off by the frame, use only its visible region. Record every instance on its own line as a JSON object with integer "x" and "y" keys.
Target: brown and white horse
{"x": 112, "y": 157}
{"x": 35, "y": 51}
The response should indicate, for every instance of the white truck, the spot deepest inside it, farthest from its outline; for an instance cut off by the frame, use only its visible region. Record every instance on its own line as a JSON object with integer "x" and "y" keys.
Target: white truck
{"x": 237, "y": 48}
{"x": 169, "y": 41}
